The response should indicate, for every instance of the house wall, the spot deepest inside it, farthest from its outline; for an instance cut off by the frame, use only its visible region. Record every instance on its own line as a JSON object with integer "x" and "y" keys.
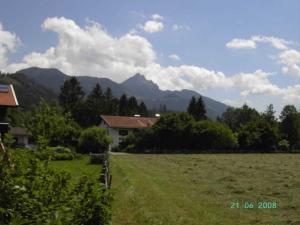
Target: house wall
{"x": 114, "y": 133}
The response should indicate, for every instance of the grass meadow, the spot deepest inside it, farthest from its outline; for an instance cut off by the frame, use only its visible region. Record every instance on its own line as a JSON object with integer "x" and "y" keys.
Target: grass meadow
{"x": 201, "y": 189}
{"x": 78, "y": 168}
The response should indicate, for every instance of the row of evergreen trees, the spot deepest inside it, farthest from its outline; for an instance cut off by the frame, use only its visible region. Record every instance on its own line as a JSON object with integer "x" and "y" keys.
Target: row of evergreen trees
{"x": 86, "y": 110}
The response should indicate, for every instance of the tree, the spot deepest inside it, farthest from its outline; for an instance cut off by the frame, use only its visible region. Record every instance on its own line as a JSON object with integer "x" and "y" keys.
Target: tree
{"x": 290, "y": 125}
{"x": 94, "y": 139}
{"x": 257, "y": 135}
{"x": 71, "y": 94}
{"x": 201, "y": 111}
{"x": 209, "y": 135}
{"x": 95, "y": 105}
{"x": 197, "y": 109}
{"x": 110, "y": 103}
{"x": 132, "y": 106}
{"x": 269, "y": 115}
{"x": 192, "y": 106}
{"x": 143, "y": 111}
{"x": 48, "y": 120}
{"x": 235, "y": 117}
{"x": 123, "y": 105}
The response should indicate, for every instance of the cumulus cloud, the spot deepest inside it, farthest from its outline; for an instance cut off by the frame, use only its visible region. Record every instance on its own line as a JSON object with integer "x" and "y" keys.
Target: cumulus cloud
{"x": 292, "y": 94}
{"x": 174, "y": 57}
{"x": 288, "y": 57}
{"x": 255, "y": 83}
{"x": 241, "y": 43}
{"x": 8, "y": 44}
{"x": 91, "y": 50}
{"x": 153, "y": 25}
{"x": 278, "y": 43}
{"x": 157, "y": 17}
{"x": 291, "y": 61}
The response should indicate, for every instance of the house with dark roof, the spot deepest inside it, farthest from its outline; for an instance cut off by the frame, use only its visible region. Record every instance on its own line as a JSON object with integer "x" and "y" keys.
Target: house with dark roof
{"x": 119, "y": 127}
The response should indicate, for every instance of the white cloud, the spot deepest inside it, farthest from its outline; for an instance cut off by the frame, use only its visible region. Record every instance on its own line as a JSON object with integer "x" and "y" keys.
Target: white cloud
{"x": 277, "y": 43}
{"x": 292, "y": 94}
{"x": 237, "y": 102}
{"x": 291, "y": 61}
{"x": 91, "y": 50}
{"x": 288, "y": 57}
{"x": 174, "y": 57}
{"x": 157, "y": 17}
{"x": 8, "y": 44}
{"x": 154, "y": 25}
{"x": 241, "y": 43}
{"x": 256, "y": 83}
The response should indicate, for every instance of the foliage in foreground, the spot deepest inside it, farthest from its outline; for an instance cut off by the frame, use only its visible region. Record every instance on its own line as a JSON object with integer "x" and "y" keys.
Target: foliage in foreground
{"x": 32, "y": 193}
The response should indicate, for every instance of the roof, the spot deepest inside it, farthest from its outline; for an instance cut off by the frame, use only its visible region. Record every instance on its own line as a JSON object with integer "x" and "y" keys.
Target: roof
{"x": 128, "y": 122}
{"x": 7, "y": 96}
{"x": 18, "y": 131}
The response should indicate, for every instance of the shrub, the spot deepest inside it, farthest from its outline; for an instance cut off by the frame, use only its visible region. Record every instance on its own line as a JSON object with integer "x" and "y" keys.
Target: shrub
{"x": 208, "y": 135}
{"x": 284, "y": 145}
{"x": 55, "y": 153}
{"x": 32, "y": 193}
{"x": 94, "y": 140}
{"x": 8, "y": 140}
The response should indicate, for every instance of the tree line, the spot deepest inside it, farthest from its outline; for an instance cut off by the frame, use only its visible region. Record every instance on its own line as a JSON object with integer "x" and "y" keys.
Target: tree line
{"x": 238, "y": 129}
{"x": 86, "y": 109}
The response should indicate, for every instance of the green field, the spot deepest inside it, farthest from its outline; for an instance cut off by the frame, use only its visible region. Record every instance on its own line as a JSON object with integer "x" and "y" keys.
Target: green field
{"x": 199, "y": 189}
{"x": 78, "y": 168}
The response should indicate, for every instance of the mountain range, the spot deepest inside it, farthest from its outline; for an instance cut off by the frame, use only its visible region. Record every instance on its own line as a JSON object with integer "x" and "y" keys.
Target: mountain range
{"x": 137, "y": 85}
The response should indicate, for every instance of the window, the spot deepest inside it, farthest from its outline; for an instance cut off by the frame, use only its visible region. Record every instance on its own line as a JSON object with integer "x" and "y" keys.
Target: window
{"x": 123, "y": 132}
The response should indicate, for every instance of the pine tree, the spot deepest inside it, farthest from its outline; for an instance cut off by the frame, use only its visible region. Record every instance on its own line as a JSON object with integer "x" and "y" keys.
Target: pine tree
{"x": 110, "y": 103}
{"x": 71, "y": 95}
{"x": 192, "y": 107}
{"x": 123, "y": 105}
{"x": 132, "y": 106}
{"x": 200, "y": 110}
{"x": 143, "y": 111}
{"x": 95, "y": 105}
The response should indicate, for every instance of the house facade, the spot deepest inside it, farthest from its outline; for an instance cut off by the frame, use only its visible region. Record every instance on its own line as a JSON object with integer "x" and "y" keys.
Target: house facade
{"x": 119, "y": 127}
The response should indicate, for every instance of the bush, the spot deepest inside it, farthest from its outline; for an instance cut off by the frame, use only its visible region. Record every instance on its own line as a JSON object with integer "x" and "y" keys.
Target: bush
{"x": 284, "y": 145}
{"x": 8, "y": 140}
{"x": 55, "y": 153}
{"x": 208, "y": 135}
{"x": 93, "y": 140}
{"x": 32, "y": 193}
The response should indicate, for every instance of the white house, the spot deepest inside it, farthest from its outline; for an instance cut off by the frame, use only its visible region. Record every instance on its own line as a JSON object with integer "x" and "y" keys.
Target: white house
{"x": 119, "y": 127}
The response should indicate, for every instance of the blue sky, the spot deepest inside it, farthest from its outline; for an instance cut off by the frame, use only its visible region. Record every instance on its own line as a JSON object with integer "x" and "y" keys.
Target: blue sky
{"x": 233, "y": 51}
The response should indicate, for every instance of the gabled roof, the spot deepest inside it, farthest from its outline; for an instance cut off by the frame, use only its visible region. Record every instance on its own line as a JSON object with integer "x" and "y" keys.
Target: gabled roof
{"x": 7, "y": 96}
{"x": 128, "y": 122}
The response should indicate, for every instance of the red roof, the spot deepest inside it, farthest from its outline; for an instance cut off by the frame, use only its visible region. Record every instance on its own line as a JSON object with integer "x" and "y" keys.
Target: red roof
{"x": 8, "y": 96}
{"x": 128, "y": 122}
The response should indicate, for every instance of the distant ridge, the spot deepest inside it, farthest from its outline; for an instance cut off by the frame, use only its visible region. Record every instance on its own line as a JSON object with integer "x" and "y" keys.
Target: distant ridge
{"x": 136, "y": 85}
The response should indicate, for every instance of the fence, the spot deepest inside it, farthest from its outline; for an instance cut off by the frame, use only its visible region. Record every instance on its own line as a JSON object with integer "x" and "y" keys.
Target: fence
{"x": 105, "y": 177}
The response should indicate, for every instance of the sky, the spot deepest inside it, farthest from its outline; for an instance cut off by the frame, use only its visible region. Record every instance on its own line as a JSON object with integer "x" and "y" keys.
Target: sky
{"x": 233, "y": 51}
